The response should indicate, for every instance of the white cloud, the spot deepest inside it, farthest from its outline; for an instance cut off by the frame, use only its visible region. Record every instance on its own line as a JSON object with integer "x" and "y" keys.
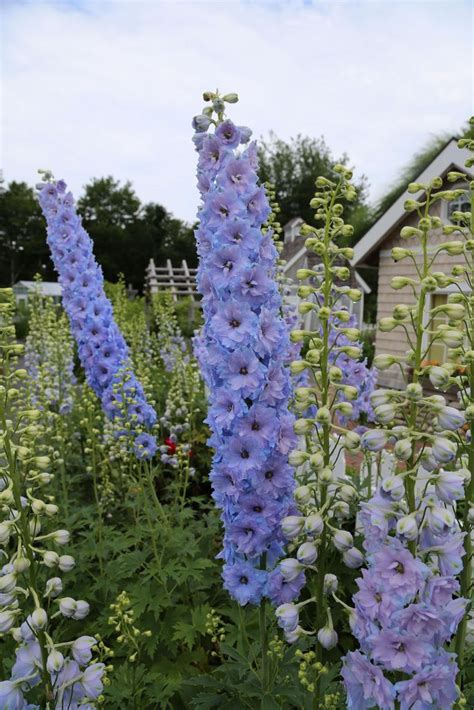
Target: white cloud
{"x": 96, "y": 87}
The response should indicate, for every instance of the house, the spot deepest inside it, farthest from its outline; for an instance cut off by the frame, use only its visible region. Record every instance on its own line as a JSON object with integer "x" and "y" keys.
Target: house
{"x": 374, "y": 250}
{"x": 23, "y": 290}
{"x": 296, "y": 256}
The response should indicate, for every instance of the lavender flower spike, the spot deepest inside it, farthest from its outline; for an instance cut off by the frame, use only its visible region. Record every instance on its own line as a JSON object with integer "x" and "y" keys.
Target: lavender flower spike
{"x": 102, "y": 348}
{"x": 242, "y": 351}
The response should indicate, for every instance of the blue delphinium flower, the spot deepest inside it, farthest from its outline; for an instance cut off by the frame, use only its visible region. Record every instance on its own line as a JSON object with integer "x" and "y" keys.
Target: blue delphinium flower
{"x": 242, "y": 351}
{"x": 407, "y": 607}
{"x": 101, "y": 346}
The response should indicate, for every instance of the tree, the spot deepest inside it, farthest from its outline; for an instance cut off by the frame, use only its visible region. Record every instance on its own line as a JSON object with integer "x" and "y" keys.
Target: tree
{"x": 23, "y": 248}
{"x": 127, "y": 234}
{"x": 293, "y": 168}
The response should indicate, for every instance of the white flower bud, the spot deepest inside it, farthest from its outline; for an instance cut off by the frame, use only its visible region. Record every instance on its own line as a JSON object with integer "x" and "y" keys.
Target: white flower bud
{"x": 55, "y": 662}
{"x": 287, "y": 616}
{"x": 51, "y": 558}
{"x": 348, "y": 493}
{"x": 373, "y": 440}
{"x": 407, "y": 527}
{"x": 330, "y": 584}
{"x": 394, "y": 487}
{"x": 443, "y": 450}
{"x": 39, "y": 619}
{"x": 439, "y": 377}
{"x": 450, "y": 418}
{"x": 82, "y": 610}
{"x": 292, "y": 525}
{"x": 66, "y": 563}
{"x": 51, "y": 509}
{"x": 54, "y": 587}
{"x": 5, "y": 532}
{"x": 67, "y": 607}
{"x": 61, "y": 537}
{"x": 342, "y": 540}
{"x": 302, "y": 495}
{"x": 414, "y": 391}
{"x": 290, "y": 568}
{"x": 7, "y": 583}
{"x": 296, "y": 458}
{"x": 314, "y": 524}
{"x": 353, "y": 558}
{"x": 327, "y": 637}
{"x": 21, "y": 564}
{"x": 403, "y": 449}
{"x": 385, "y": 413}
{"x": 307, "y": 553}
{"x": 7, "y": 620}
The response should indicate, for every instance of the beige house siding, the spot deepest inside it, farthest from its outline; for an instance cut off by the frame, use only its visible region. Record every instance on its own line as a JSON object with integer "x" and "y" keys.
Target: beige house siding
{"x": 395, "y": 342}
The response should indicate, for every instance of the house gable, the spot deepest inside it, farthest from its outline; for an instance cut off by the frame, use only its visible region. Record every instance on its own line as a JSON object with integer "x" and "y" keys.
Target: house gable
{"x": 449, "y": 158}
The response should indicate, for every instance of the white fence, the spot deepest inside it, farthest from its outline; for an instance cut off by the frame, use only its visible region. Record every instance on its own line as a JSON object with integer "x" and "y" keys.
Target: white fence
{"x": 180, "y": 280}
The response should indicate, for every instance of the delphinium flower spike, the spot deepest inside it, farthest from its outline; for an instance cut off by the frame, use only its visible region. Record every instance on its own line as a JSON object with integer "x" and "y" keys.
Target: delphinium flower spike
{"x": 102, "y": 348}
{"x": 48, "y": 671}
{"x": 242, "y": 349}
{"x": 409, "y": 602}
{"x": 325, "y": 497}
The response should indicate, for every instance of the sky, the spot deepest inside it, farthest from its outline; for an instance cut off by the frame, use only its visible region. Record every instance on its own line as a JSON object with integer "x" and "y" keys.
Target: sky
{"x": 97, "y": 87}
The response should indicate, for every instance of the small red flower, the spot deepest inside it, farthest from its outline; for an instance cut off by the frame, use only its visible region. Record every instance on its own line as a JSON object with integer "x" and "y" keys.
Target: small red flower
{"x": 171, "y": 446}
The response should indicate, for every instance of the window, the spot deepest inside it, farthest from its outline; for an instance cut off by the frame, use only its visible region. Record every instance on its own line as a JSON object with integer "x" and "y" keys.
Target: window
{"x": 461, "y": 204}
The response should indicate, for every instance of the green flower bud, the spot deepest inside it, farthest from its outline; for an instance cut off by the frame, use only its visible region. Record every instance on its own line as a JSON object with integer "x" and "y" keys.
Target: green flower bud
{"x": 398, "y": 253}
{"x": 351, "y": 441}
{"x": 414, "y": 391}
{"x": 387, "y": 324}
{"x": 323, "y": 415}
{"x": 403, "y": 449}
{"x": 230, "y": 98}
{"x": 298, "y": 366}
{"x": 408, "y": 232}
{"x": 302, "y": 426}
{"x": 297, "y": 457}
{"x": 383, "y": 362}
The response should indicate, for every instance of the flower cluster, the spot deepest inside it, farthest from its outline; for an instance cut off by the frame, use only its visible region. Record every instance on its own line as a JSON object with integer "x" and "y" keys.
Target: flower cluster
{"x": 30, "y": 599}
{"x": 101, "y": 346}
{"x": 325, "y": 496}
{"x": 409, "y": 603}
{"x": 242, "y": 350}
{"x": 49, "y": 356}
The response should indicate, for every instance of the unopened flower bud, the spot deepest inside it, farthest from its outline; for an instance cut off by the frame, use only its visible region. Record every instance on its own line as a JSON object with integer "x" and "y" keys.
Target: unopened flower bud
{"x": 66, "y": 563}
{"x": 55, "y": 662}
{"x": 403, "y": 449}
{"x": 39, "y": 619}
{"x": 287, "y": 616}
{"x": 327, "y": 637}
{"x": 290, "y": 568}
{"x": 330, "y": 584}
{"x": 302, "y": 495}
{"x": 353, "y": 558}
{"x": 407, "y": 527}
{"x": 314, "y": 524}
{"x": 292, "y": 526}
{"x": 342, "y": 540}
{"x": 307, "y": 553}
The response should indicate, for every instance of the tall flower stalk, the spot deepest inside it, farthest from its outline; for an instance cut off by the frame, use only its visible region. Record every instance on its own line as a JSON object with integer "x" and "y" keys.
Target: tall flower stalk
{"x": 242, "y": 350}
{"x": 323, "y": 497}
{"x": 45, "y": 670}
{"x": 101, "y": 346}
{"x": 409, "y": 602}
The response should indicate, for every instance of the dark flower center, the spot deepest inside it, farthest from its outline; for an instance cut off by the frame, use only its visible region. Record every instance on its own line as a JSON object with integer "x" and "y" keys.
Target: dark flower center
{"x": 228, "y": 265}
{"x": 243, "y": 580}
{"x": 399, "y": 568}
{"x": 224, "y": 210}
{"x": 228, "y": 133}
{"x": 257, "y": 508}
{"x": 243, "y": 371}
{"x": 244, "y": 454}
{"x": 377, "y": 597}
{"x": 229, "y": 407}
{"x": 234, "y": 323}
{"x": 268, "y": 475}
{"x": 256, "y": 426}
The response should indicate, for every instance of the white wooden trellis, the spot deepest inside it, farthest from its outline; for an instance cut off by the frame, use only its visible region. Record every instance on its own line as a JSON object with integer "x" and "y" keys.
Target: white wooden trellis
{"x": 180, "y": 280}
